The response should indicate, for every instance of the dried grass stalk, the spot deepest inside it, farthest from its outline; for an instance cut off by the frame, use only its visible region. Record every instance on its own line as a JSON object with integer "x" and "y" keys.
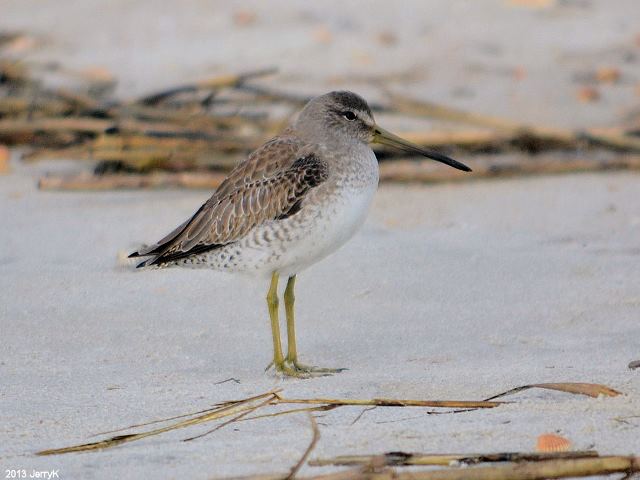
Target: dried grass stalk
{"x": 241, "y": 408}
{"x": 590, "y": 389}
{"x": 396, "y": 459}
{"x": 215, "y": 414}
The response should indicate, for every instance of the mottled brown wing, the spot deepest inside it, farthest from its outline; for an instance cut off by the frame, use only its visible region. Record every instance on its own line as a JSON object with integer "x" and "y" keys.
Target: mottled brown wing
{"x": 270, "y": 185}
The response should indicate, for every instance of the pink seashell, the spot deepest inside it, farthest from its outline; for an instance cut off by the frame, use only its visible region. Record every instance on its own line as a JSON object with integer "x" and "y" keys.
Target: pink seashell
{"x": 550, "y": 442}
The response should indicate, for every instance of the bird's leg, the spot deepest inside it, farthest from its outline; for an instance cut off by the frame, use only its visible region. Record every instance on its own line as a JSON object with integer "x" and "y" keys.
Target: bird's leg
{"x": 292, "y": 352}
{"x": 272, "y": 303}
{"x": 278, "y": 360}
{"x": 289, "y": 301}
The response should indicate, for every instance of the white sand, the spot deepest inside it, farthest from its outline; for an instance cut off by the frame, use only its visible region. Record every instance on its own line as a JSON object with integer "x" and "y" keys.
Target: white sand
{"x": 476, "y": 289}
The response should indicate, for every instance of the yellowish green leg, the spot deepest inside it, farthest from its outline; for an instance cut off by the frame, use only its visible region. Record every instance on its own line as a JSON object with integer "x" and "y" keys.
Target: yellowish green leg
{"x": 280, "y": 364}
{"x": 272, "y": 303}
{"x": 292, "y": 352}
{"x": 289, "y": 301}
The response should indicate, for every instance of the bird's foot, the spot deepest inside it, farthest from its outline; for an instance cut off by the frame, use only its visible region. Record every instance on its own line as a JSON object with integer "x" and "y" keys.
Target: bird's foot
{"x": 296, "y": 369}
{"x": 291, "y": 368}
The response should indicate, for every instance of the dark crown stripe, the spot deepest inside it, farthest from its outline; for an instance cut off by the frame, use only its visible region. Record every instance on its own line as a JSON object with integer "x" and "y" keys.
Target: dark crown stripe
{"x": 351, "y": 101}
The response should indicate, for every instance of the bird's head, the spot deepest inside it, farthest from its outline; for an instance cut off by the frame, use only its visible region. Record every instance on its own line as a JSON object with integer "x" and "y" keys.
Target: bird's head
{"x": 346, "y": 116}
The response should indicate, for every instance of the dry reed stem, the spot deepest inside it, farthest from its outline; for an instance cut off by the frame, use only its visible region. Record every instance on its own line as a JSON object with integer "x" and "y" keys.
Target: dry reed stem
{"x": 590, "y": 389}
{"x": 243, "y": 407}
{"x": 389, "y": 402}
{"x": 232, "y": 420}
{"x": 216, "y": 414}
{"x": 396, "y": 459}
{"x": 322, "y": 408}
{"x": 190, "y": 414}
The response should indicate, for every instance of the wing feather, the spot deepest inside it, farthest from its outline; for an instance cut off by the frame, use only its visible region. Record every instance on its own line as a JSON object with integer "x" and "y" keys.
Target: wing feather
{"x": 269, "y": 186}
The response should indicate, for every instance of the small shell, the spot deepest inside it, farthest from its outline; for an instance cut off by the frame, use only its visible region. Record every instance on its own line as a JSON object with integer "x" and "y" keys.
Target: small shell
{"x": 550, "y": 442}
{"x": 5, "y": 156}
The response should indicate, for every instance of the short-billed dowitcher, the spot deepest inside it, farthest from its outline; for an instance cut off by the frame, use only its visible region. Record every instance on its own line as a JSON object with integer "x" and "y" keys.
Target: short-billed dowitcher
{"x": 292, "y": 202}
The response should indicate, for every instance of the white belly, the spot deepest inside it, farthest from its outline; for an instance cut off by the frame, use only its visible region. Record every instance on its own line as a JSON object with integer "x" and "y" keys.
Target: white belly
{"x": 336, "y": 222}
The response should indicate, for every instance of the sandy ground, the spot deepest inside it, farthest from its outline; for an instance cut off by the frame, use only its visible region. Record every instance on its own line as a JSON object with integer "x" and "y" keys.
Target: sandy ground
{"x": 449, "y": 292}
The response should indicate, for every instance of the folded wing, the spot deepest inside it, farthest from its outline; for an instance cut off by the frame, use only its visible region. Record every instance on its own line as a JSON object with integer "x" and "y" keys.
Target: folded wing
{"x": 269, "y": 186}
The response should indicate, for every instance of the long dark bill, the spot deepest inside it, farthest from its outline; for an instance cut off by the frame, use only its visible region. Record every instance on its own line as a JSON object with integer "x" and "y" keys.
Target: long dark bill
{"x": 387, "y": 138}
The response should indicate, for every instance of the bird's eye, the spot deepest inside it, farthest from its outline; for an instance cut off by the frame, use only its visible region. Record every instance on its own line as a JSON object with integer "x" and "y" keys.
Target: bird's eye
{"x": 349, "y": 115}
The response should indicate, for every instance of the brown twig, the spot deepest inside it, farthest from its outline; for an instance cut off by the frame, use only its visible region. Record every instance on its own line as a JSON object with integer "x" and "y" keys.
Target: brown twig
{"x": 362, "y": 412}
{"x": 231, "y": 379}
{"x": 314, "y": 440}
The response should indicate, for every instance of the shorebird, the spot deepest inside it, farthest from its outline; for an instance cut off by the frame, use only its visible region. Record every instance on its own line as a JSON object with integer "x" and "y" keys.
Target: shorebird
{"x": 292, "y": 202}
